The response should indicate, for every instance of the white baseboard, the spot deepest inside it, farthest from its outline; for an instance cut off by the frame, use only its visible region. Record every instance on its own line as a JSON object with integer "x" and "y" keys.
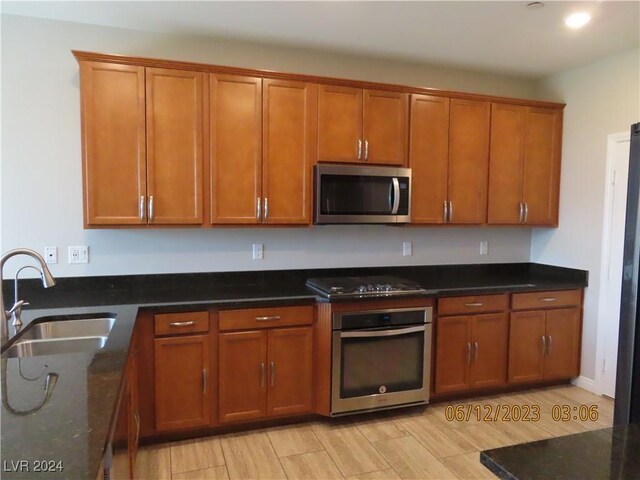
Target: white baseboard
{"x": 586, "y": 383}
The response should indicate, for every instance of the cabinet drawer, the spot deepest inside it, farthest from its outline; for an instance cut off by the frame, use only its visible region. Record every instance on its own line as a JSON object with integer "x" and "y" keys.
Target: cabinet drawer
{"x": 180, "y": 323}
{"x": 251, "y": 318}
{"x": 551, "y": 299}
{"x": 472, "y": 304}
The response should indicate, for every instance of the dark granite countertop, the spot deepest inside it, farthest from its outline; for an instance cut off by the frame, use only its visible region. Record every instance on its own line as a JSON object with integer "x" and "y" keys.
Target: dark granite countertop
{"x": 75, "y": 425}
{"x": 606, "y": 454}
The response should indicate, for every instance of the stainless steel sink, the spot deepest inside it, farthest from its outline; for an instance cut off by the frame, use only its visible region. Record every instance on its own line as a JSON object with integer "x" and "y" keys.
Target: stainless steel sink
{"x": 84, "y": 327}
{"x": 34, "y": 348}
{"x": 62, "y": 336}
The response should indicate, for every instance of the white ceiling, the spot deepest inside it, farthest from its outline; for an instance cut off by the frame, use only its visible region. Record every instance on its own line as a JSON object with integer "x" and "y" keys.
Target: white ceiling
{"x": 501, "y": 36}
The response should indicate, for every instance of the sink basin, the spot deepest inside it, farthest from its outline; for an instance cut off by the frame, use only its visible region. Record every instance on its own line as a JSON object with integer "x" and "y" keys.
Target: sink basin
{"x": 83, "y": 327}
{"x": 62, "y": 336}
{"x": 34, "y": 348}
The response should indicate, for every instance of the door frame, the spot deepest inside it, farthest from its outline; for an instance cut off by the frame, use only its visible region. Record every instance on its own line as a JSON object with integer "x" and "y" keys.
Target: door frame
{"x": 603, "y": 303}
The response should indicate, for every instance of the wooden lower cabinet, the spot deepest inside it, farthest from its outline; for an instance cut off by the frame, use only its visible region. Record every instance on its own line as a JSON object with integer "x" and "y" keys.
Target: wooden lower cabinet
{"x": 265, "y": 373}
{"x": 471, "y": 352}
{"x": 242, "y": 375}
{"x": 182, "y": 374}
{"x": 544, "y": 345}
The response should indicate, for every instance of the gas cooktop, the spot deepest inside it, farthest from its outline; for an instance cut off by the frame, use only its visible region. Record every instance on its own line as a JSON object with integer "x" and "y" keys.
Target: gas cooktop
{"x": 357, "y": 287}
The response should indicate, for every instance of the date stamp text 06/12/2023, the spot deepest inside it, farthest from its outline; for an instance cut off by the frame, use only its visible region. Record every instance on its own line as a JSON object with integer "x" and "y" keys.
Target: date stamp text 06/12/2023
{"x": 520, "y": 413}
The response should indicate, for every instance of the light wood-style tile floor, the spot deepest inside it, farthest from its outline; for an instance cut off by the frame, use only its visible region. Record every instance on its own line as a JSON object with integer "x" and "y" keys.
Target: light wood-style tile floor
{"x": 407, "y": 444}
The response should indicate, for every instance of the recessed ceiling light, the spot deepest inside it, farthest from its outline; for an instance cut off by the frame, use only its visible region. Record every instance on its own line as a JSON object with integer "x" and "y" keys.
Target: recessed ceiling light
{"x": 535, "y": 5}
{"x": 577, "y": 20}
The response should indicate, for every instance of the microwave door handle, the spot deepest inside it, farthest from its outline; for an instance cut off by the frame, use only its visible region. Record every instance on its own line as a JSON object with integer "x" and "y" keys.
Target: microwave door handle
{"x": 382, "y": 333}
{"x": 396, "y": 196}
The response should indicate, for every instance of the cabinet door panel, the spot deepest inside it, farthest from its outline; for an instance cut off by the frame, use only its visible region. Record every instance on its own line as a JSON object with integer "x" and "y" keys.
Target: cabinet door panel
{"x": 290, "y": 137}
{"x": 526, "y": 358}
{"x": 290, "y": 356}
{"x": 385, "y": 127}
{"x": 563, "y": 343}
{"x": 174, "y": 145}
{"x": 235, "y": 148}
{"x": 339, "y": 123}
{"x": 429, "y": 157}
{"x": 506, "y": 163}
{"x": 113, "y": 136}
{"x": 242, "y": 375}
{"x": 468, "y": 160}
{"x": 490, "y": 338}
{"x": 453, "y": 355}
{"x": 542, "y": 165}
{"x": 181, "y": 382}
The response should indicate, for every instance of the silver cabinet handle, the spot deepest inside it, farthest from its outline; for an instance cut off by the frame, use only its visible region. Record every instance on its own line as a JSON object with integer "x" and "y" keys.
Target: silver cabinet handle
{"x": 474, "y": 304}
{"x": 446, "y": 211}
{"x": 366, "y": 150}
{"x": 136, "y": 417}
{"x": 547, "y": 299}
{"x": 141, "y": 208}
{"x": 151, "y": 212}
{"x": 475, "y": 352}
{"x": 268, "y": 319}
{"x": 359, "y": 149}
{"x": 549, "y": 344}
{"x": 262, "y": 374}
{"x": 183, "y": 324}
{"x": 381, "y": 333}
{"x": 272, "y": 367}
{"x": 204, "y": 381}
{"x": 450, "y": 211}
{"x": 526, "y": 212}
{"x": 258, "y": 208}
{"x": 396, "y": 196}
{"x": 266, "y": 209}
{"x": 544, "y": 345}
{"x": 468, "y": 353}
{"x": 521, "y": 213}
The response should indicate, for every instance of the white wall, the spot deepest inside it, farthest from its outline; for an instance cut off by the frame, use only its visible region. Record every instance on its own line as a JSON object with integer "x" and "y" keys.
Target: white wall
{"x": 41, "y": 165}
{"x": 602, "y": 98}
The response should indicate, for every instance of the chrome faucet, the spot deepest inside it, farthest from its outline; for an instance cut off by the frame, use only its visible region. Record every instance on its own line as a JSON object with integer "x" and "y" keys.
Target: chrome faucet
{"x": 47, "y": 281}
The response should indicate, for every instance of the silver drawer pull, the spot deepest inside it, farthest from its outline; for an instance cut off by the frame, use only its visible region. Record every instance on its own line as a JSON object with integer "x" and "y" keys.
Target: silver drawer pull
{"x": 474, "y": 304}
{"x": 475, "y": 352}
{"x": 544, "y": 345}
{"x": 273, "y": 373}
{"x": 268, "y": 319}
{"x": 547, "y": 299}
{"x": 204, "y": 381}
{"x": 262, "y": 374}
{"x": 468, "y": 353}
{"x": 183, "y": 324}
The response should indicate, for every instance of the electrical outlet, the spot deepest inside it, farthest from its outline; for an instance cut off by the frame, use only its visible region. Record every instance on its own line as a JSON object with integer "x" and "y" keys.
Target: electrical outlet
{"x": 407, "y": 249}
{"x": 258, "y": 251}
{"x": 484, "y": 248}
{"x": 51, "y": 254}
{"x": 79, "y": 254}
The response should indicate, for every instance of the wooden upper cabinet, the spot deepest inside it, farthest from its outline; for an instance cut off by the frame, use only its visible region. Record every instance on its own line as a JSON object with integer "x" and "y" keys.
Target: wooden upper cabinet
{"x": 468, "y": 160}
{"x": 242, "y": 375}
{"x": 113, "y": 139}
{"x": 385, "y": 127}
{"x": 506, "y": 162}
{"x": 542, "y": 151}
{"x": 290, "y": 113}
{"x": 429, "y": 157}
{"x": 290, "y": 363}
{"x": 235, "y": 148}
{"x": 182, "y": 384}
{"x": 339, "y": 124}
{"x": 174, "y": 146}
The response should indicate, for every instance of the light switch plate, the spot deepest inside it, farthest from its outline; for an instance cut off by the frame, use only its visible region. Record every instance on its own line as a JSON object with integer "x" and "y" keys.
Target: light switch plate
{"x": 484, "y": 248}
{"x": 51, "y": 254}
{"x": 407, "y": 249}
{"x": 258, "y": 251}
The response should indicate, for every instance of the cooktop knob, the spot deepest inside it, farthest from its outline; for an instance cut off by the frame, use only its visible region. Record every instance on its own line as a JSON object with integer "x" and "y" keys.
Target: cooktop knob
{"x": 362, "y": 289}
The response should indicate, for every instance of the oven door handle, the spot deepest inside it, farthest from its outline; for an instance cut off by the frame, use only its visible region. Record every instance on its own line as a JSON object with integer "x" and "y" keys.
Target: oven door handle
{"x": 382, "y": 333}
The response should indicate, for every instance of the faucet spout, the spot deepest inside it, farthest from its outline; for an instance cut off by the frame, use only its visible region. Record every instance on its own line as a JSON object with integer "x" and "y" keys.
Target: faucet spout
{"x": 47, "y": 282}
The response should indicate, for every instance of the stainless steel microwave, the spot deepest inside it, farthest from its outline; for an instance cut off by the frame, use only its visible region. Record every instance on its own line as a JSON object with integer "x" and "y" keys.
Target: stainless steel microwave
{"x": 362, "y": 194}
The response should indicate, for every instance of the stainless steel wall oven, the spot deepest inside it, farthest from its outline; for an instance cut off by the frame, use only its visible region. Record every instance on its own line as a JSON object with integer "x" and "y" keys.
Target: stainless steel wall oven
{"x": 381, "y": 359}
